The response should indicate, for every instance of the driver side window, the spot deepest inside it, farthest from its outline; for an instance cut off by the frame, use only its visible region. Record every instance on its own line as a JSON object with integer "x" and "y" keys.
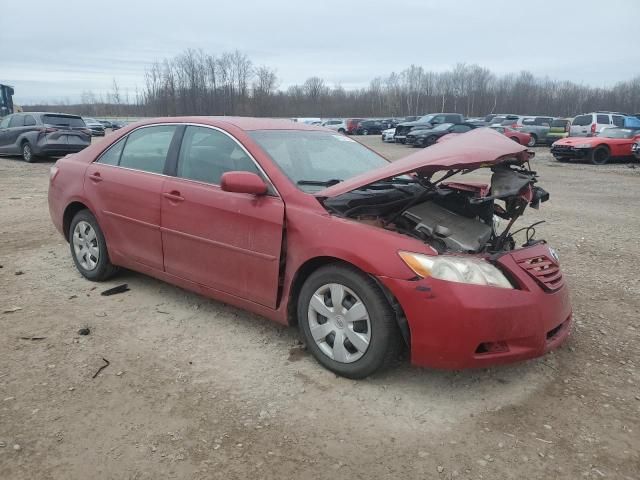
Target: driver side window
{"x": 5, "y": 122}
{"x": 206, "y": 154}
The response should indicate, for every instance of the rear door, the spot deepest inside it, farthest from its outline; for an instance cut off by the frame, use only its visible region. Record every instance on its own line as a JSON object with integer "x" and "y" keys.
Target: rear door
{"x": 227, "y": 241}
{"x": 125, "y": 186}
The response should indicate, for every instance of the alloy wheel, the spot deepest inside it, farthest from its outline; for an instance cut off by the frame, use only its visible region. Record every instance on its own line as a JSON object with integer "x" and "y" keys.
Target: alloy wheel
{"x": 85, "y": 245}
{"x": 339, "y": 323}
{"x": 27, "y": 153}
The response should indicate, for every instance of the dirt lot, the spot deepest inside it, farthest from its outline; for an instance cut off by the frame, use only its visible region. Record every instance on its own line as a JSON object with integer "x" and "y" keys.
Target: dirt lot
{"x": 197, "y": 389}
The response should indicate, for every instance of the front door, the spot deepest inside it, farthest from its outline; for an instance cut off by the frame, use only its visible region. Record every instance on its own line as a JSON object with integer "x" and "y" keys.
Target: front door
{"x": 125, "y": 184}
{"x": 227, "y": 241}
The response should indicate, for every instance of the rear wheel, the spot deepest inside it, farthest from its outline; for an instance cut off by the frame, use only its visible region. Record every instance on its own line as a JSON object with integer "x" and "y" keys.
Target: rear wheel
{"x": 599, "y": 155}
{"x": 27, "y": 153}
{"x": 532, "y": 141}
{"x": 89, "y": 248}
{"x": 342, "y": 130}
{"x": 562, "y": 159}
{"x": 347, "y": 322}
{"x": 365, "y": 132}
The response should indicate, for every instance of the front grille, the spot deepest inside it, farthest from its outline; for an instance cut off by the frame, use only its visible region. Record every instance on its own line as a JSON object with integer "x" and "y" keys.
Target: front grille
{"x": 546, "y": 272}
{"x": 402, "y": 130}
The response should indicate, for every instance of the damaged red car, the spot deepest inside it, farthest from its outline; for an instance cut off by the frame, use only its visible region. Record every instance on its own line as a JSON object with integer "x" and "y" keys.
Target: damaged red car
{"x": 310, "y": 228}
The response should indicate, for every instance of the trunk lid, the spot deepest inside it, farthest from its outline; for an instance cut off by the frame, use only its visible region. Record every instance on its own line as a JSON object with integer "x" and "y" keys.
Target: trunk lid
{"x": 482, "y": 147}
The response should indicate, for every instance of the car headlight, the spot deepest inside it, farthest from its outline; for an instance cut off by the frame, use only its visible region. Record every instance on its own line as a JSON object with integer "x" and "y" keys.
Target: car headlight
{"x": 455, "y": 269}
{"x": 583, "y": 145}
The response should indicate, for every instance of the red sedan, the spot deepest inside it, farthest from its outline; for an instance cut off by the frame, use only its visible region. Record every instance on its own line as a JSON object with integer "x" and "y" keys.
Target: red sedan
{"x": 308, "y": 227}
{"x": 522, "y": 138}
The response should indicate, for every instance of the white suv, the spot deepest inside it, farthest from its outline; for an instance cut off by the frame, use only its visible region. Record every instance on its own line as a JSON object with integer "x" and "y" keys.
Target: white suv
{"x": 338, "y": 125}
{"x": 591, "y": 124}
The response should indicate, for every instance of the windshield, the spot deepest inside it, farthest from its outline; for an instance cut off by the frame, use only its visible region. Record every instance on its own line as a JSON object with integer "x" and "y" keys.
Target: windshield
{"x": 314, "y": 160}
{"x": 62, "y": 120}
{"x": 442, "y": 126}
{"x": 617, "y": 133}
{"x": 426, "y": 118}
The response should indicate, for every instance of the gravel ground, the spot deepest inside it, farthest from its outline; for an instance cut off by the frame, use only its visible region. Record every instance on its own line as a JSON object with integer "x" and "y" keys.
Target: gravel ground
{"x": 198, "y": 389}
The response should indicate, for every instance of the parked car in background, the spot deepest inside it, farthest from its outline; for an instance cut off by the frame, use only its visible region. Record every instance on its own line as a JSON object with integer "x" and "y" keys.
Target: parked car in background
{"x": 117, "y": 124}
{"x": 426, "y": 121}
{"x": 590, "y": 124}
{"x": 388, "y": 135}
{"x": 97, "y": 129}
{"x": 503, "y": 119}
{"x": 520, "y": 137}
{"x": 42, "y": 134}
{"x": 105, "y": 123}
{"x": 538, "y": 127}
{"x": 336, "y": 124}
{"x": 352, "y": 125}
{"x": 370, "y": 127}
{"x": 559, "y": 129}
{"x": 446, "y": 280}
{"x": 425, "y": 138}
{"x": 612, "y": 142}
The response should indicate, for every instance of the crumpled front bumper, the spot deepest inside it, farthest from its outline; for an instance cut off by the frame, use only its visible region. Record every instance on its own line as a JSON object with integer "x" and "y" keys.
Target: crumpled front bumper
{"x": 455, "y": 326}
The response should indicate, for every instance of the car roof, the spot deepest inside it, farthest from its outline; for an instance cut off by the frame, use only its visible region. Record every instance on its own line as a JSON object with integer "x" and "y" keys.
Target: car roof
{"x": 243, "y": 123}
{"x": 48, "y": 113}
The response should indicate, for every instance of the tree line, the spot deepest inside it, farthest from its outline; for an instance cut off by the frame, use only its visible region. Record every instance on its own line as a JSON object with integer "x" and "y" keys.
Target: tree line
{"x": 199, "y": 83}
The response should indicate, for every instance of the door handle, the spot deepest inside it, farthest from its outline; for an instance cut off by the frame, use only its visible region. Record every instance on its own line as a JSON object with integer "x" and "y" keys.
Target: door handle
{"x": 173, "y": 195}
{"x": 95, "y": 177}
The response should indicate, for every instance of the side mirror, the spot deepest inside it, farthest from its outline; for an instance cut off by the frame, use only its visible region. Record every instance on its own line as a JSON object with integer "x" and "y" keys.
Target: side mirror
{"x": 243, "y": 182}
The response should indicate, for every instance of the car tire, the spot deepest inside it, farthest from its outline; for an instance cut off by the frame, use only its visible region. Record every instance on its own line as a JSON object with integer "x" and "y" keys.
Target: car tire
{"x": 365, "y": 325}
{"x": 561, "y": 159}
{"x": 342, "y": 131}
{"x": 515, "y": 139}
{"x": 365, "y": 132}
{"x": 599, "y": 155}
{"x": 27, "y": 153}
{"x": 89, "y": 248}
{"x": 532, "y": 141}
{"x": 430, "y": 141}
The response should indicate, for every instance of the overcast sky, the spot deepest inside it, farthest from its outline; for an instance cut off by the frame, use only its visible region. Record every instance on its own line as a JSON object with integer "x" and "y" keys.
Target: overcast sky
{"x": 55, "y": 50}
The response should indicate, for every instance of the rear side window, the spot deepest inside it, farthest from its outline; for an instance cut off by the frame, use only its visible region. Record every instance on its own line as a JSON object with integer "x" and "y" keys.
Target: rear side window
{"x": 460, "y": 128}
{"x": 529, "y": 121}
{"x": 603, "y": 119}
{"x": 146, "y": 149}
{"x": 29, "y": 120}
{"x": 582, "y": 120}
{"x": 63, "y": 121}
{"x": 618, "y": 120}
{"x": 16, "y": 121}
{"x": 112, "y": 156}
{"x": 205, "y": 154}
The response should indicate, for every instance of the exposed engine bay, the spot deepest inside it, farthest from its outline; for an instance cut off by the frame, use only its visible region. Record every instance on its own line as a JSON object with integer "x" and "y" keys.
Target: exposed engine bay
{"x": 449, "y": 216}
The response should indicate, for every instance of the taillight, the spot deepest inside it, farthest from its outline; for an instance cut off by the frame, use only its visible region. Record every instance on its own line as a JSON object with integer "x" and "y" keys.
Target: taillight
{"x": 86, "y": 131}
{"x": 48, "y": 130}
{"x": 593, "y": 129}
{"x": 515, "y": 125}
{"x": 567, "y": 126}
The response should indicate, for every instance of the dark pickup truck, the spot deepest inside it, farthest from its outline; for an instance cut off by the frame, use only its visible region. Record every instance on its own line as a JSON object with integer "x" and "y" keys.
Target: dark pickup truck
{"x": 426, "y": 121}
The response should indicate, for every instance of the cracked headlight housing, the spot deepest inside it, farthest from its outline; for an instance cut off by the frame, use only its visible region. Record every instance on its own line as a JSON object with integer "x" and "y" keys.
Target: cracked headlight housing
{"x": 458, "y": 269}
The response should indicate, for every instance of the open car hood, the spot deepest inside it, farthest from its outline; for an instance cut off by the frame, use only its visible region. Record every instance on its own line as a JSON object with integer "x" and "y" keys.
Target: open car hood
{"x": 482, "y": 147}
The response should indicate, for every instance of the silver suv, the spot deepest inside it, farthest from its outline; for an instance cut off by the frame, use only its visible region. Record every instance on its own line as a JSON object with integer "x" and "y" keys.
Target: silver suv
{"x": 590, "y": 124}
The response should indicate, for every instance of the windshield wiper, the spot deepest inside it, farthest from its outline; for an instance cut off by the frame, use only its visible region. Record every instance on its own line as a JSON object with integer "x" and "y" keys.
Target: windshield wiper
{"x": 320, "y": 183}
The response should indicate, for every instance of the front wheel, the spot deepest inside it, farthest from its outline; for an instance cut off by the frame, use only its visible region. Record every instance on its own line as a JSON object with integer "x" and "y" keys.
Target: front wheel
{"x": 27, "y": 153}
{"x": 532, "y": 141}
{"x": 599, "y": 156}
{"x": 89, "y": 248}
{"x": 347, "y": 322}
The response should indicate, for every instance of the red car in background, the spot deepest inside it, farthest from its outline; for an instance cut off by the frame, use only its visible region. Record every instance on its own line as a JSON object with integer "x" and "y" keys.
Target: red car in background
{"x": 306, "y": 226}
{"x": 352, "y": 125}
{"x": 609, "y": 143}
{"x": 520, "y": 137}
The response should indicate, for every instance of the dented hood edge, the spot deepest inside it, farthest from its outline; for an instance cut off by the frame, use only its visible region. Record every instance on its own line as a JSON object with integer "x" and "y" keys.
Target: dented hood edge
{"x": 482, "y": 147}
